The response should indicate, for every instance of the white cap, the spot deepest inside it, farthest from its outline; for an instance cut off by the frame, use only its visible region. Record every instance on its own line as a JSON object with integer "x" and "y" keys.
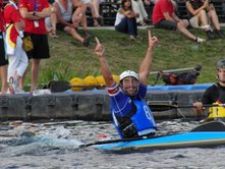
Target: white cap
{"x": 128, "y": 73}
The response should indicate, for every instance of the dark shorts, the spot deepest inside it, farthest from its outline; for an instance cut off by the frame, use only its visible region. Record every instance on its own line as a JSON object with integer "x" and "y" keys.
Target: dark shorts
{"x": 41, "y": 47}
{"x": 51, "y": 1}
{"x": 164, "y": 24}
{"x": 60, "y": 26}
{"x": 3, "y": 60}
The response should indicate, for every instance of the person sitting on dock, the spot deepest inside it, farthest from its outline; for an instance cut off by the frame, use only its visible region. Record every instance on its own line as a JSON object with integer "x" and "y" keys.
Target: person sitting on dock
{"x": 216, "y": 93}
{"x": 131, "y": 115}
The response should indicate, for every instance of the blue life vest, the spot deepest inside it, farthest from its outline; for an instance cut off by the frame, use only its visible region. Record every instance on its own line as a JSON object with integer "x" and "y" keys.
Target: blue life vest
{"x": 143, "y": 119}
{"x": 138, "y": 123}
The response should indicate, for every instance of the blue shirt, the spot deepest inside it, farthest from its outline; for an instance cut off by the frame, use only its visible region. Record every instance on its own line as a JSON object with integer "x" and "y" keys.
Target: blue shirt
{"x": 121, "y": 104}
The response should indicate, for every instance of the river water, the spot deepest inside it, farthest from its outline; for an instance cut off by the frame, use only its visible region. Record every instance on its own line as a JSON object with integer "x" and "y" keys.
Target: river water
{"x": 54, "y": 145}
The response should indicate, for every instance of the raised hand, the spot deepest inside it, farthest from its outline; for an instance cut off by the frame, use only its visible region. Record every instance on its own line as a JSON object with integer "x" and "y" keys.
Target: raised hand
{"x": 152, "y": 40}
{"x": 99, "y": 48}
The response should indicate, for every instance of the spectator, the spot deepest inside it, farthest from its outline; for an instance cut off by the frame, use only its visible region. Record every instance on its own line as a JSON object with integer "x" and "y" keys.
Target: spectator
{"x": 34, "y": 14}
{"x": 18, "y": 60}
{"x": 139, "y": 8}
{"x": 79, "y": 17}
{"x": 51, "y": 21}
{"x": 3, "y": 59}
{"x": 126, "y": 19}
{"x": 98, "y": 18}
{"x": 94, "y": 7}
{"x": 64, "y": 12}
{"x": 164, "y": 16}
{"x": 202, "y": 13}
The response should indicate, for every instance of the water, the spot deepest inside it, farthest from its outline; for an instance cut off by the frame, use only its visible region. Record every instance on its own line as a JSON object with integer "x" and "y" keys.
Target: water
{"x": 55, "y": 145}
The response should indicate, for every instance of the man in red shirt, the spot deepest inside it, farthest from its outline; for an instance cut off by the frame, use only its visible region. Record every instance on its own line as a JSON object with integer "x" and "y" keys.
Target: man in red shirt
{"x": 34, "y": 13}
{"x": 3, "y": 59}
{"x": 163, "y": 16}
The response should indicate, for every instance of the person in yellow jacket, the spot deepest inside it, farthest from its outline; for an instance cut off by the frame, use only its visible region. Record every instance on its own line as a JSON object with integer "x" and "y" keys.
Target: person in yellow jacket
{"x": 215, "y": 94}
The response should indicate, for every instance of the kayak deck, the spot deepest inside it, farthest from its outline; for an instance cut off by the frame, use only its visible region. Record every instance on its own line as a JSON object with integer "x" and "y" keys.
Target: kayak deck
{"x": 189, "y": 139}
{"x": 205, "y": 135}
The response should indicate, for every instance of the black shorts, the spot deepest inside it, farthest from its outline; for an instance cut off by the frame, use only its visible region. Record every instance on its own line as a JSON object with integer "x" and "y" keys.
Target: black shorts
{"x": 41, "y": 47}
{"x": 60, "y": 26}
{"x": 3, "y": 59}
{"x": 164, "y": 24}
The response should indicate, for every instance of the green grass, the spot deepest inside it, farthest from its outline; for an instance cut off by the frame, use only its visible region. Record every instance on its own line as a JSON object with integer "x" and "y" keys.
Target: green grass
{"x": 70, "y": 59}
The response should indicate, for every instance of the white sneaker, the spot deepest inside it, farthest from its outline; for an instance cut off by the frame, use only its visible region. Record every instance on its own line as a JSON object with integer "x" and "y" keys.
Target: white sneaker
{"x": 200, "y": 40}
{"x": 132, "y": 37}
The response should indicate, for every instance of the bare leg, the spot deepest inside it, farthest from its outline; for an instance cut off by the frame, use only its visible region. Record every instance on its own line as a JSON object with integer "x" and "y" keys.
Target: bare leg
{"x": 181, "y": 27}
{"x": 84, "y": 23}
{"x": 53, "y": 22}
{"x": 4, "y": 88}
{"x": 96, "y": 7}
{"x": 78, "y": 15}
{"x": 204, "y": 20}
{"x": 214, "y": 19}
{"x": 35, "y": 66}
{"x": 74, "y": 34}
{"x": 94, "y": 14}
{"x": 22, "y": 80}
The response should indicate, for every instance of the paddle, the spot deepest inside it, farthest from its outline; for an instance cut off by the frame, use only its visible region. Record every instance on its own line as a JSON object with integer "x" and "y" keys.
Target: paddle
{"x": 166, "y": 107}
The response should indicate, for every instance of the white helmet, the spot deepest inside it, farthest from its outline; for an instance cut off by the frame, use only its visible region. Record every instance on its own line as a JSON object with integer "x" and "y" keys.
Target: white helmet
{"x": 128, "y": 73}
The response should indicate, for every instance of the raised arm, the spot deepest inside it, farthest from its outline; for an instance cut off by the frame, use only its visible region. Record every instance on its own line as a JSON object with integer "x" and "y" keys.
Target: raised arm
{"x": 100, "y": 52}
{"x": 145, "y": 66}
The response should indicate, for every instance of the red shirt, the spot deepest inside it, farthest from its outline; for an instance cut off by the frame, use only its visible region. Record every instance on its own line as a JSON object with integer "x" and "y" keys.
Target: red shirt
{"x": 1, "y": 17}
{"x": 11, "y": 16}
{"x": 161, "y": 7}
{"x": 34, "y": 5}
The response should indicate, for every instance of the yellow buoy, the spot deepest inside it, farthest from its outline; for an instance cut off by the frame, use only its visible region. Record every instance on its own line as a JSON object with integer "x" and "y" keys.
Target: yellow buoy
{"x": 77, "y": 84}
{"x": 90, "y": 81}
{"x": 116, "y": 78}
{"x": 100, "y": 80}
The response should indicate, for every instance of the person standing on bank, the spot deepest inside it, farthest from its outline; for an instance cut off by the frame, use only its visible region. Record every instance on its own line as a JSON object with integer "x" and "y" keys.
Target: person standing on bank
{"x": 34, "y": 13}
{"x": 3, "y": 59}
{"x": 131, "y": 115}
{"x": 216, "y": 92}
{"x": 17, "y": 57}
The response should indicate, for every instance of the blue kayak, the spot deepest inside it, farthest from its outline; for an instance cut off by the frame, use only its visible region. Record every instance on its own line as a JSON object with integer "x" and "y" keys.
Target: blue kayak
{"x": 198, "y": 137}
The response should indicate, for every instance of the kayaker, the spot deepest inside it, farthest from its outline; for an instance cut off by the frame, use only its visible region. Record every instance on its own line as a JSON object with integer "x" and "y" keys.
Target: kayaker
{"x": 131, "y": 115}
{"x": 215, "y": 94}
